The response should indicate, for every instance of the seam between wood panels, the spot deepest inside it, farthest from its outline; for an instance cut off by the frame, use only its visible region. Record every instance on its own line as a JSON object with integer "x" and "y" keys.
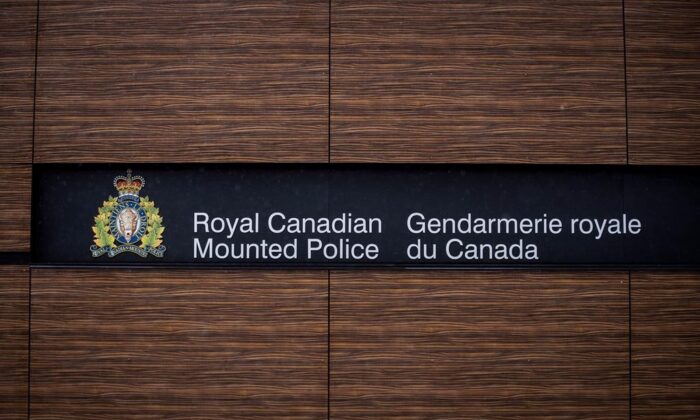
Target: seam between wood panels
{"x": 624, "y": 66}
{"x": 328, "y": 367}
{"x": 31, "y": 194}
{"x": 329, "y": 79}
{"x": 29, "y": 344}
{"x": 36, "y": 66}
{"x": 629, "y": 337}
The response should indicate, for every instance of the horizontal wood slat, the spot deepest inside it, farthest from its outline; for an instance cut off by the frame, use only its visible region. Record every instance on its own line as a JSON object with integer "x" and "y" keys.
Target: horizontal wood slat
{"x": 163, "y": 81}
{"x": 496, "y": 345}
{"x": 663, "y": 81}
{"x": 475, "y": 81}
{"x": 665, "y": 346}
{"x": 17, "y": 40}
{"x": 15, "y": 207}
{"x": 147, "y": 344}
{"x": 14, "y": 345}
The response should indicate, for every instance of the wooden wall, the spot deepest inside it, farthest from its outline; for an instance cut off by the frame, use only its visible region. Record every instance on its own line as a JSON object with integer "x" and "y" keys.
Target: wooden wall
{"x": 466, "y": 81}
{"x": 665, "y": 345}
{"x": 663, "y": 77}
{"x": 159, "y": 81}
{"x": 178, "y": 344}
{"x": 511, "y": 81}
{"x": 479, "y": 345}
{"x": 17, "y": 52}
{"x": 15, "y": 207}
{"x": 14, "y": 341}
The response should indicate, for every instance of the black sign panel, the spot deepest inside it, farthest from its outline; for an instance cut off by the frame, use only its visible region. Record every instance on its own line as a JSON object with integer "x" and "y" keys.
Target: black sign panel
{"x": 346, "y": 216}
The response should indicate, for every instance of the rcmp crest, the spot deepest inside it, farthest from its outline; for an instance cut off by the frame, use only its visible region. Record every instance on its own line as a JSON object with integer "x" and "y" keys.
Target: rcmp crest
{"x": 128, "y": 222}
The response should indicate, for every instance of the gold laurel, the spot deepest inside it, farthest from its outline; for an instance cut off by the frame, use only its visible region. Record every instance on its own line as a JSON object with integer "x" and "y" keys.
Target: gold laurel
{"x": 103, "y": 235}
{"x": 154, "y": 229}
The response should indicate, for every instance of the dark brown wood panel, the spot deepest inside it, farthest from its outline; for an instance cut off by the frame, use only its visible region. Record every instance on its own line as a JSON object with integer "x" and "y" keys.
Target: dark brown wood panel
{"x": 468, "y": 345}
{"x": 163, "y": 81}
{"x": 15, "y": 207}
{"x": 149, "y": 344}
{"x": 17, "y": 37}
{"x": 663, "y": 81}
{"x": 14, "y": 345}
{"x": 665, "y": 346}
{"x": 474, "y": 81}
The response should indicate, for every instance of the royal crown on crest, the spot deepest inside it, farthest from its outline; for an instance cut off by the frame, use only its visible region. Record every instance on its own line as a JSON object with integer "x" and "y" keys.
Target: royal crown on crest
{"x": 129, "y": 185}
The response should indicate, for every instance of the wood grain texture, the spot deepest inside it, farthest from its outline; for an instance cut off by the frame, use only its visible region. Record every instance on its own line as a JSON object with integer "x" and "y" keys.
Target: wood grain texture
{"x": 14, "y": 345}
{"x": 665, "y": 346}
{"x": 163, "y": 81}
{"x": 474, "y": 81}
{"x": 147, "y": 344}
{"x": 15, "y": 207}
{"x": 17, "y": 40}
{"x": 470, "y": 345}
{"x": 663, "y": 81}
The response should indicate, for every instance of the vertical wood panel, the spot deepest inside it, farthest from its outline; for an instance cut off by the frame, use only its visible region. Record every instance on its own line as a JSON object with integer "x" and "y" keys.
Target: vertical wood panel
{"x": 663, "y": 78}
{"x": 665, "y": 346}
{"x": 496, "y": 345}
{"x": 17, "y": 37}
{"x": 474, "y": 81}
{"x": 163, "y": 81}
{"x": 147, "y": 344}
{"x": 14, "y": 327}
{"x": 15, "y": 207}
